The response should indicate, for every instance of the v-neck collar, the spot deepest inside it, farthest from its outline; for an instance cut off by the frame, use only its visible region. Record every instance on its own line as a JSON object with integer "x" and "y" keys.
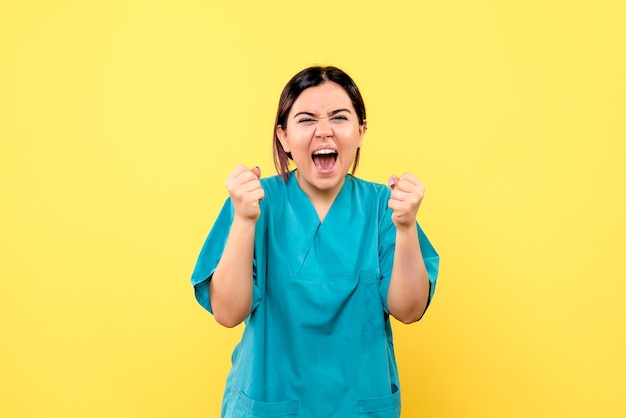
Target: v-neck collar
{"x": 305, "y": 224}
{"x": 345, "y": 190}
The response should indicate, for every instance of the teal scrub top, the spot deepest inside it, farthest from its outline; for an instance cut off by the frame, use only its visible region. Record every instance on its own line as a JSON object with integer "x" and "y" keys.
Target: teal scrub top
{"x": 318, "y": 340}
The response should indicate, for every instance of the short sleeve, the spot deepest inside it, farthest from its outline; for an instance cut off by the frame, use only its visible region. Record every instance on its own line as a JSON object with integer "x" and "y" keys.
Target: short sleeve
{"x": 210, "y": 255}
{"x": 431, "y": 260}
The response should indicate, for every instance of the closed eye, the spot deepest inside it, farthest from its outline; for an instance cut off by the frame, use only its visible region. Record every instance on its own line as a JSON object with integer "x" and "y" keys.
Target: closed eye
{"x": 340, "y": 114}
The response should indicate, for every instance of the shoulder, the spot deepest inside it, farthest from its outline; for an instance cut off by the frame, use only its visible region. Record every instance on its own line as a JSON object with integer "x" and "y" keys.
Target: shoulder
{"x": 370, "y": 189}
{"x": 372, "y": 197}
{"x": 273, "y": 184}
{"x": 275, "y": 189}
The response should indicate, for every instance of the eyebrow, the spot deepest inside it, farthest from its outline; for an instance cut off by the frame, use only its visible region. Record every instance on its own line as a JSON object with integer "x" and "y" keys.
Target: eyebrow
{"x": 333, "y": 113}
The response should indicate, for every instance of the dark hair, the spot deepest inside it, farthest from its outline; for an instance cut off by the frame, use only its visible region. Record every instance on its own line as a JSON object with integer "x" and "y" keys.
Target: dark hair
{"x": 311, "y": 77}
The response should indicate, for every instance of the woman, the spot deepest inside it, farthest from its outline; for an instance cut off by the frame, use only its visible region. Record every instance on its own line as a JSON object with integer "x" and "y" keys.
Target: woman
{"x": 314, "y": 260}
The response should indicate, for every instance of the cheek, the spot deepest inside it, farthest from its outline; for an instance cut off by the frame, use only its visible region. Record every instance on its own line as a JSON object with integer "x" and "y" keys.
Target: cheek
{"x": 300, "y": 141}
{"x": 353, "y": 137}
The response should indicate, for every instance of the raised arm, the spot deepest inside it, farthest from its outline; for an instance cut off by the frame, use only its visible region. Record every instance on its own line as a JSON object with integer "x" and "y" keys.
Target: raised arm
{"x": 409, "y": 287}
{"x": 230, "y": 288}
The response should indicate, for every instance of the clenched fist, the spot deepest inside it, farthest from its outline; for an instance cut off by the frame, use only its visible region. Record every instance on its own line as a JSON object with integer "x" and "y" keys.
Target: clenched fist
{"x": 245, "y": 192}
{"x": 406, "y": 196}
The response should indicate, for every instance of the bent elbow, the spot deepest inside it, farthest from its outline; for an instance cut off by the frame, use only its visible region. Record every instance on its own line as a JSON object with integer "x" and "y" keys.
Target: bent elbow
{"x": 408, "y": 319}
{"x": 227, "y": 321}
{"x": 409, "y": 316}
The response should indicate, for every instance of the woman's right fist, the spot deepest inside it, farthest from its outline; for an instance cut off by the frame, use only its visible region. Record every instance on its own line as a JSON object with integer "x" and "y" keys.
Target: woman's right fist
{"x": 245, "y": 192}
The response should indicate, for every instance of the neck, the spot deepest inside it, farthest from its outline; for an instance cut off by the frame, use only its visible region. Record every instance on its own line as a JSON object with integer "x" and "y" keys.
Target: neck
{"x": 322, "y": 200}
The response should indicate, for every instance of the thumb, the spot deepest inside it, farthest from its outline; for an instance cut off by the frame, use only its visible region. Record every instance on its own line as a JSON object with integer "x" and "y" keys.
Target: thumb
{"x": 393, "y": 180}
{"x": 257, "y": 171}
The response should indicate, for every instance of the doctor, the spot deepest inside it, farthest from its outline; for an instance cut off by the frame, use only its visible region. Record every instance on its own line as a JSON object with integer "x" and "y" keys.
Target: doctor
{"x": 314, "y": 261}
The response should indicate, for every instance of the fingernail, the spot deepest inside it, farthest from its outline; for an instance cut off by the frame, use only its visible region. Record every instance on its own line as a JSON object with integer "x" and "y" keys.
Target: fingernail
{"x": 392, "y": 183}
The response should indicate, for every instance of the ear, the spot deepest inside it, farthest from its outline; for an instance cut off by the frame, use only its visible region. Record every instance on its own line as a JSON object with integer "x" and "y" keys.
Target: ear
{"x": 362, "y": 130}
{"x": 281, "y": 134}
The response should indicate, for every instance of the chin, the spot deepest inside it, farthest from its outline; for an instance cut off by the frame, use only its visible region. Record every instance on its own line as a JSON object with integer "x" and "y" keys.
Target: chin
{"x": 329, "y": 183}
{"x": 323, "y": 182}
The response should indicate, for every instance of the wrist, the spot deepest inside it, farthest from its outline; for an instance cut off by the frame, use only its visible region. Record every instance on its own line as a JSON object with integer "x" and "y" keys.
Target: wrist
{"x": 243, "y": 222}
{"x": 406, "y": 231}
{"x": 408, "y": 227}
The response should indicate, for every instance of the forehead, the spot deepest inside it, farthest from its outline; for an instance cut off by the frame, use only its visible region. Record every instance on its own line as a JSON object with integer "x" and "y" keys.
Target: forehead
{"x": 324, "y": 97}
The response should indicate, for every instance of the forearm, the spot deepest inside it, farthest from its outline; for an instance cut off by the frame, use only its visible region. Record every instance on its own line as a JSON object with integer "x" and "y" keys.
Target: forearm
{"x": 409, "y": 286}
{"x": 231, "y": 285}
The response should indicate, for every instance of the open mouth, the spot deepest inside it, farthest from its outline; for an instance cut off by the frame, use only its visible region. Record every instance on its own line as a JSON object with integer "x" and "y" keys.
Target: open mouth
{"x": 324, "y": 159}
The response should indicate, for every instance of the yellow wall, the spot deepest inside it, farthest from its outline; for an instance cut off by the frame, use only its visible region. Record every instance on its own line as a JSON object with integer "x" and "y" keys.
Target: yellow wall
{"x": 119, "y": 121}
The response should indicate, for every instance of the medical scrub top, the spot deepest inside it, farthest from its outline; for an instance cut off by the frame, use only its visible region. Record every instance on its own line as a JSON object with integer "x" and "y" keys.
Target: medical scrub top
{"x": 318, "y": 340}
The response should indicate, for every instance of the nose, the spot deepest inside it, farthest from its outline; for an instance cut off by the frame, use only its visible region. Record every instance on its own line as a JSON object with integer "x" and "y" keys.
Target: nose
{"x": 323, "y": 129}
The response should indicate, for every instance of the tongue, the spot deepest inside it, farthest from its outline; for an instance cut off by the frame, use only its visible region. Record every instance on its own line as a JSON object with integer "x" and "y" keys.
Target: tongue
{"x": 324, "y": 162}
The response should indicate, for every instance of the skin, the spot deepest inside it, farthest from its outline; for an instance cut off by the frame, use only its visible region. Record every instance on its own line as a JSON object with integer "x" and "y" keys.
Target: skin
{"x": 409, "y": 286}
{"x": 322, "y": 117}
{"x": 230, "y": 289}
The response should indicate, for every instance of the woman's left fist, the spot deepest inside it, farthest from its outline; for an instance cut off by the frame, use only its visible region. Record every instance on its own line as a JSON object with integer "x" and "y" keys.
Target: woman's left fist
{"x": 406, "y": 196}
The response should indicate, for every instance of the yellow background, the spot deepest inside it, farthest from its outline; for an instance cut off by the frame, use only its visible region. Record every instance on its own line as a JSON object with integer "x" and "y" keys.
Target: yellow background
{"x": 120, "y": 120}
